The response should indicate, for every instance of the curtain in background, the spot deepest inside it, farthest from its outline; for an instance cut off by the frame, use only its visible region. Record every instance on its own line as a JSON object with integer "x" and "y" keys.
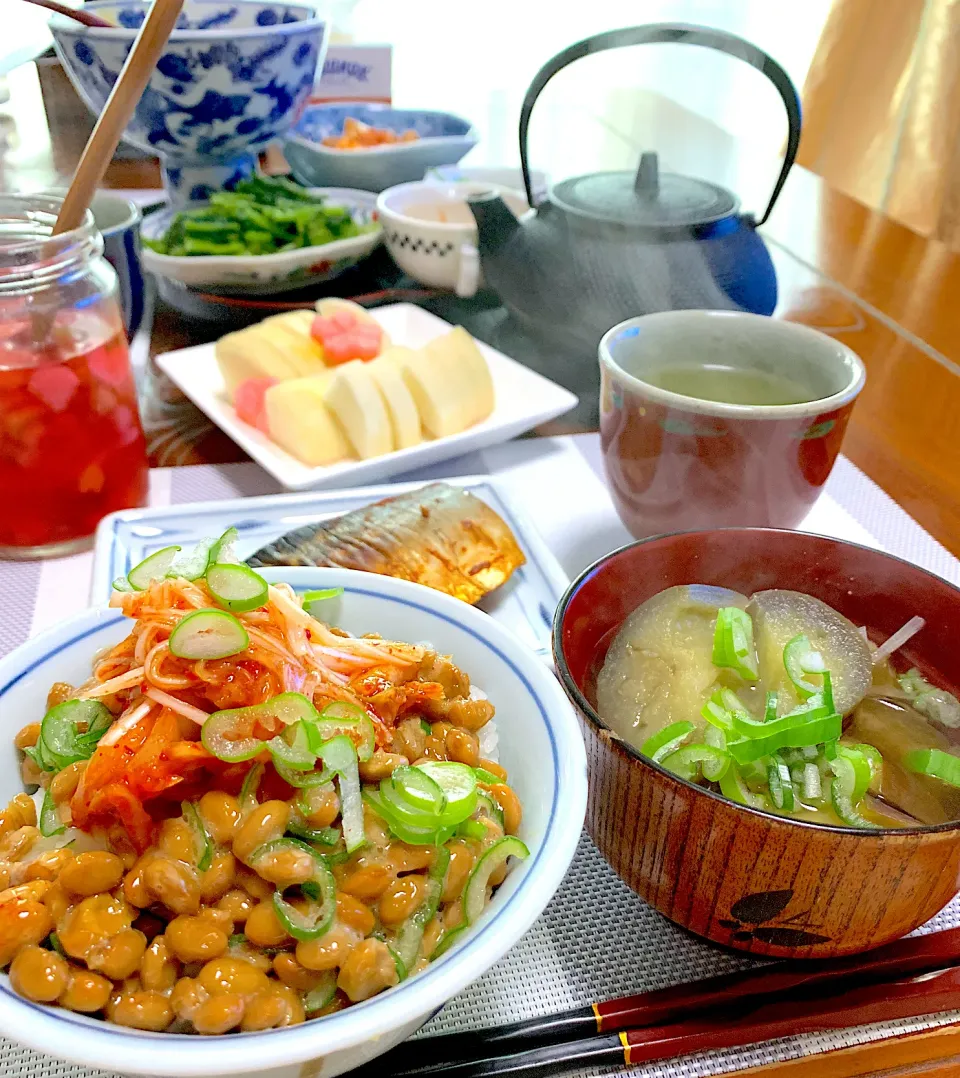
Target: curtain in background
{"x": 882, "y": 110}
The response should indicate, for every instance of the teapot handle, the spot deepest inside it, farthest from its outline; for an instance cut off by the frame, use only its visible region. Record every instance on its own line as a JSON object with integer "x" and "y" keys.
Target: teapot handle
{"x": 681, "y": 34}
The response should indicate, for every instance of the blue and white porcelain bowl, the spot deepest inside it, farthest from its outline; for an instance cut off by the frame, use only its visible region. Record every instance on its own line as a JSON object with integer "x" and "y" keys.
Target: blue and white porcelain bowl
{"x": 539, "y": 742}
{"x": 261, "y": 275}
{"x": 444, "y": 139}
{"x": 233, "y": 77}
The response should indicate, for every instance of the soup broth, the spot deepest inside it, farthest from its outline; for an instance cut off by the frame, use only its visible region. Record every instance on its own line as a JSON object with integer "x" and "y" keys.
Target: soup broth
{"x": 779, "y": 702}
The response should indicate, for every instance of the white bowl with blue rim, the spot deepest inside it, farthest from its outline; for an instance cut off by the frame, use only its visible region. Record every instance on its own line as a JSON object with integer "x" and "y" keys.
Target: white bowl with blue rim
{"x": 539, "y": 744}
{"x": 233, "y": 76}
{"x": 444, "y": 140}
{"x": 268, "y": 274}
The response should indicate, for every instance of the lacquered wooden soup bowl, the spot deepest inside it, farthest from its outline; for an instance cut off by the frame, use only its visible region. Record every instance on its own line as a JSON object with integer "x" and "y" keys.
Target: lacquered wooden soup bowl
{"x": 737, "y": 876}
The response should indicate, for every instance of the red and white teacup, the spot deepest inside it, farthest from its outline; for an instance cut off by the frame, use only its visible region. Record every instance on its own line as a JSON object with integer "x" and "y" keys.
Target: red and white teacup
{"x": 676, "y": 461}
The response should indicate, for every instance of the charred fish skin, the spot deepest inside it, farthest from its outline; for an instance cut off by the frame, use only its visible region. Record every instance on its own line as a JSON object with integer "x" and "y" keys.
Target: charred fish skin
{"x": 439, "y": 535}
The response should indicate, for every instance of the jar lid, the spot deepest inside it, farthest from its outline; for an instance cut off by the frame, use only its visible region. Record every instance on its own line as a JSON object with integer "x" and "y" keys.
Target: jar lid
{"x": 645, "y": 199}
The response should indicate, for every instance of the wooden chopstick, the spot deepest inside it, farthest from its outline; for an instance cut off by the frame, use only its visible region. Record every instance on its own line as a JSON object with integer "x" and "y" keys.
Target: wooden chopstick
{"x": 126, "y": 92}
{"x": 915, "y": 954}
{"x": 731, "y": 1027}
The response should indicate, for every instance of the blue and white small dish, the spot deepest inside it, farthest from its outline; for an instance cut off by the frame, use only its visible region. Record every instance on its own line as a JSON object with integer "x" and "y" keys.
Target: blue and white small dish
{"x": 233, "y": 76}
{"x": 444, "y": 140}
{"x": 268, "y": 274}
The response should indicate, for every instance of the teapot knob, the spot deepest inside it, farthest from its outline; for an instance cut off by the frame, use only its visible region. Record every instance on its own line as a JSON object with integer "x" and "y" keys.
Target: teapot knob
{"x": 647, "y": 183}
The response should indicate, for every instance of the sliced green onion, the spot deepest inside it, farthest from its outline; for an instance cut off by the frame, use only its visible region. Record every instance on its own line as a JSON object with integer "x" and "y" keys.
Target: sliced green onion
{"x": 733, "y": 787}
{"x": 322, "y": 836}
{"x": 842, "y": 787}
{"x": 222, "y": 552}
{"x": 862, "y": 770}
{"x": 312, "y": 598}
{"x": 811, "y": 732}
{"x": 936, "y": 763}
{"x": 320, "y": 890}
{"x": 459, "y": 785}
{"x": 812, "y": 786}
{"x": 687, "y": 762}
{"x": 419, "y": 790}
{"x": 425, "y": 727}
{"x": 449, "y": 939}
{"x": 667, "y": 740}
{"x": 733, "y": 645}
{"x": 875, "y": 760}
{"x": 346, "y": 719}
{"x": 62, "y": 742}
{"x": 321, "y": 995}
{"x": 192, "y": 564}
{"x": 472, "y": 829}
{"x": 780, "y": 784}
{"x": 234, "y": 735}
{"x": 410, "y": 935}
{"x": 50, "y": 822}
{"x": 201, "y": 840}
{"x": 339, "y": 754}
{"x": 291, "y": 749}
{"x": 154, "y": 567}
{"x": 475, "y": 893}
{"x": 488, "y": 778}
{"x": 238, "y": 587}
{"x": 770, "y": 707}
{"x": 411, "y": 833}
{"x": 122, "y": 584}
{"x": 208, "y": 634}
{"x": 800, "y": 658}
{"x": 401, "y": 967}
{"x": 488, "y": 807}
{"x": 248, "y": 791}
{"x": 401, "y": 810}
{"x": 302, "y": 780}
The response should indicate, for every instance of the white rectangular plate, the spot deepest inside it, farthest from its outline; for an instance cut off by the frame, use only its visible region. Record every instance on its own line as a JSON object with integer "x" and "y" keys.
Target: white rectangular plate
{"x": 523, "y": 400}
{"x": 524, "y": 604}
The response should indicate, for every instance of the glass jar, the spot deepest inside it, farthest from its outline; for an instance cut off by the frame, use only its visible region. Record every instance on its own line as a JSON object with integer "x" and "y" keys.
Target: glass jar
{"x": 71, "y": 444}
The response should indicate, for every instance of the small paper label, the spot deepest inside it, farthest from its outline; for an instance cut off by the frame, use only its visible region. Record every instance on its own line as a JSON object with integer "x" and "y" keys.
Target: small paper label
{"x": 355, "y": 73}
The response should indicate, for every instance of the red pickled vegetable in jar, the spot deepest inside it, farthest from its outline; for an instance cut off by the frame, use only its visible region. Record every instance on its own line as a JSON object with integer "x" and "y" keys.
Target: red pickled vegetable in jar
{"x": 72, "y": 448}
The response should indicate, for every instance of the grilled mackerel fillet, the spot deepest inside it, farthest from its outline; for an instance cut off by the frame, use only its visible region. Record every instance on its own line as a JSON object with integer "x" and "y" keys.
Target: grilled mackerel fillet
{"x": 439, "y": 536}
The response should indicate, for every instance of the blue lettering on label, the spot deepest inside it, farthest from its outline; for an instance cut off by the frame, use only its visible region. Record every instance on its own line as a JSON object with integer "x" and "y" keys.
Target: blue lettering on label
{"x": 350, "y": 68}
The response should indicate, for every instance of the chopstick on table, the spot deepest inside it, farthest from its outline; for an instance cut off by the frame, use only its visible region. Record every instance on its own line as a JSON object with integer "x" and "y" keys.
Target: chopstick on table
{"x": 925, "y": 993}
{"x": 901, "y": 959}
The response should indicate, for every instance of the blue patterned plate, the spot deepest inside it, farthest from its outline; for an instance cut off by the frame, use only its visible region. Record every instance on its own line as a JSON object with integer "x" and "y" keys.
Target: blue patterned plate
{"x": 444, "y": 139}
{"x": 524, "y": 604}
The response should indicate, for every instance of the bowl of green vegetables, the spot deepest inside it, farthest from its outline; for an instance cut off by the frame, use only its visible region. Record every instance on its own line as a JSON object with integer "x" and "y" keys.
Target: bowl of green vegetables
{"x": 267, "y": 235}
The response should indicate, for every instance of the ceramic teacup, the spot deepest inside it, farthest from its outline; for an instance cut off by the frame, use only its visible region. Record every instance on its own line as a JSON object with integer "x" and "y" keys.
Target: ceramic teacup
{"x": 432, "y": 235}
{"x": 676, "y": 461}
{"x": 118, "y": 221}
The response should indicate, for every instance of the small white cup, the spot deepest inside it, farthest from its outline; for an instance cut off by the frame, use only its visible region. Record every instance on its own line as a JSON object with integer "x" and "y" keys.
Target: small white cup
{"x": 431, "y": 234}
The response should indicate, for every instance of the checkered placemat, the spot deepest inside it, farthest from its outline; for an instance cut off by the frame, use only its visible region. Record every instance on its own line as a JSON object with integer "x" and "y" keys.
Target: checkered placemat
{"x": 596, "y": 939}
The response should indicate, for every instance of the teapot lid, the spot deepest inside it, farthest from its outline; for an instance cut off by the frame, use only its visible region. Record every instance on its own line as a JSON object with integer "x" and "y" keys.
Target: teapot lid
{"x": 647, "y": 199}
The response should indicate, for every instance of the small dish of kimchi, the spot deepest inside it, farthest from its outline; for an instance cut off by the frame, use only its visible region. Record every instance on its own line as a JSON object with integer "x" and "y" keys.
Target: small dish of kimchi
{"x": 254, "y": 818}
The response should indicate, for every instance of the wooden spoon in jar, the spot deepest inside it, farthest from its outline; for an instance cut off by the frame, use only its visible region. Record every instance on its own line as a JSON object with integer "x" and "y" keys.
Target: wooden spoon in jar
{"x": 123, "y": 99}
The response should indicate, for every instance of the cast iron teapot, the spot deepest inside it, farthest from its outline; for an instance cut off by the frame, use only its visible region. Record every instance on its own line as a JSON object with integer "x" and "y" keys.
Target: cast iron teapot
{"x": 610, "y": 245}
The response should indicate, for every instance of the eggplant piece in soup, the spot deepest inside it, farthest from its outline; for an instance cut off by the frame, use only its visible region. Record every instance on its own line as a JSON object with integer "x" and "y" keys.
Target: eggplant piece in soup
{"x": 659, "y": 668}
{"x": 779, "y": 616}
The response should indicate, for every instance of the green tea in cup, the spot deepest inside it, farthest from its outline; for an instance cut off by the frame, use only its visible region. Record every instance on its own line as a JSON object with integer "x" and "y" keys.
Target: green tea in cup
{"x": 729, "y": 385}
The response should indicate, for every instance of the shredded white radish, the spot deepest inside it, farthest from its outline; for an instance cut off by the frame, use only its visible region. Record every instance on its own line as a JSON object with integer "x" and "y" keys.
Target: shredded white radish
{"x": 116, "y": 684}
{"x": 188, "y": 711}
{"x": 140, "y": 710}
{"x": 899, "y": 638}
